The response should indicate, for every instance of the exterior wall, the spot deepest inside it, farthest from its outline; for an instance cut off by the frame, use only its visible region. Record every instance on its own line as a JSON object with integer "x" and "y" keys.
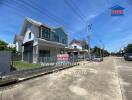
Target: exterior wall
{"x": 35, "y": 53}
{"x": 26, "y": 38}
{"x": 34, "y": 35}
{"x": 35, "y": 31}
{"x": 61, "y": 34}
{"x": 18, "y": 46}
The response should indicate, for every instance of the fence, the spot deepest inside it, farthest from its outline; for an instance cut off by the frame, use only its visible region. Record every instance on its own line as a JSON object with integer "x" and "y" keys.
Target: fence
{"x": 47, "y": 61}
{"x": 16, "y": 56}
{"x": 43, "y": 61}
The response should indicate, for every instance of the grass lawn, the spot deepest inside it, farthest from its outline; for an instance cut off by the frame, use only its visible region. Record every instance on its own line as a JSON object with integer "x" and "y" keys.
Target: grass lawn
{"x": 19, "y": 65}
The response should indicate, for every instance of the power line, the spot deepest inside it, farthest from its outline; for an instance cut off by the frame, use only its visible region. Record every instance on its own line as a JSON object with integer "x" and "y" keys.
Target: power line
{"x": 58, "y": 19}
{"x": 78, "y": 9}
{"x": 8, "y": 5}
{"x": 74, "y": 10}
{"x": 53, "y": 17}
{"x": 35, "y": 8}
{"x": 29, "y": 7}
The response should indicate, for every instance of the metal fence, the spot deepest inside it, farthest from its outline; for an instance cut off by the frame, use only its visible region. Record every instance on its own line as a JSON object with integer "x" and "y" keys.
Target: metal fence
{"x": 16, "y": 56}
{"x": 5, "y": 61}
{"x": 43, "y": 61}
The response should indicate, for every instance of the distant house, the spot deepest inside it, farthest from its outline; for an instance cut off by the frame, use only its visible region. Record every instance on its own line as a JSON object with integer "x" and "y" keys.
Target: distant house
{"x": 40, "y": 40}
{"x": 18, "y": 42}
{"x": 117, "y": 10}
{"x": 78, "y": 47}
{"x": 76, "y": 44}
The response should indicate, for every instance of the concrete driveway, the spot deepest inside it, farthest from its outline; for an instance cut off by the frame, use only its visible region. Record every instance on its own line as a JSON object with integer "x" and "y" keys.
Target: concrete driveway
{"x": 92, "y": 81}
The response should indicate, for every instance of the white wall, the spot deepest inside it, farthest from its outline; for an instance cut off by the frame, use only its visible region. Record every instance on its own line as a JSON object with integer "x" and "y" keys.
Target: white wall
{"x": 26, "y": 38}
{"x": 34, "y": 33}
{"x": 17, "y": 46}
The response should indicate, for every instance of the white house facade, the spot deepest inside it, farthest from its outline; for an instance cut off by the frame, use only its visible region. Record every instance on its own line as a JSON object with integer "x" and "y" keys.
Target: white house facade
{"x": 78, "y": 48}
{"x": 40, "y": 40}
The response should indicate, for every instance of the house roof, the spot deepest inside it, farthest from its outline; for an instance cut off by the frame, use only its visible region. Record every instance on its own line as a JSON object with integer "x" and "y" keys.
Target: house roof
{"x": 37, "y": 23}
{"x": 117, "y": 7}
{"x": 76, "y": 41}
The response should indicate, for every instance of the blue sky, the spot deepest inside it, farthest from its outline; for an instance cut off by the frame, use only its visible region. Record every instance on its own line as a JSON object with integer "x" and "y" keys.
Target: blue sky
{"x": 114, "y": 32}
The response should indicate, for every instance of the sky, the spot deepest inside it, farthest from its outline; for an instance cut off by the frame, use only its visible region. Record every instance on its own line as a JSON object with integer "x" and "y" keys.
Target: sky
{"x": 114, "y": 32}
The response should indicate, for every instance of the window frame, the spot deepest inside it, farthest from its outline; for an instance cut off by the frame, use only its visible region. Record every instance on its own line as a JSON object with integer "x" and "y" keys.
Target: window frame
{"x": 30, "y": 35}
{"x": 45, "y": 33}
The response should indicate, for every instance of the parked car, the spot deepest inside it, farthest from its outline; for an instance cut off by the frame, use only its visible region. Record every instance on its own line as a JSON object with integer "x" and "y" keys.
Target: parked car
{"x": 128, "y": 56}
{"x": 0, "y": 75}
{"x": 98, "y": 58}
{"x": 88, "y": 59}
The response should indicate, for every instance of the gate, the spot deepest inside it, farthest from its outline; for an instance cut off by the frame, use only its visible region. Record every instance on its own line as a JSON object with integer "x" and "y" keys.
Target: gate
{"x": 5, "y": 62}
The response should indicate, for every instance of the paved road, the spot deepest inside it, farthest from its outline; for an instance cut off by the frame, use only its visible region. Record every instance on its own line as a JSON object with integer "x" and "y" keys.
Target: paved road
{"x": 125, "y": 74}
{"x": 92, "y": 81}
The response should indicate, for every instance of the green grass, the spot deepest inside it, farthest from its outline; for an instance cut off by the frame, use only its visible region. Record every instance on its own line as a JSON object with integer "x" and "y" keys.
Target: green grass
{"x": 19, "y": 65}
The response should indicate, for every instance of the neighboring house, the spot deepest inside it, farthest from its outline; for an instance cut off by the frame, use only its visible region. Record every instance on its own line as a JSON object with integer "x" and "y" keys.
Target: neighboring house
{"x": 40, "y": 40}
{"x": 18, "y": 42}
{"x": 76, "y": 44}
{"x": 78, "y": 47}
{"x": 11, "y": 45}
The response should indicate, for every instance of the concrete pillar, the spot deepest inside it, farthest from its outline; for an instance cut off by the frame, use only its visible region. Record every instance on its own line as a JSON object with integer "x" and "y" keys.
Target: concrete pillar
{"x": 22, "y": 53}
{"x": 56, "y": 51}
{"x": 35, "y": 54}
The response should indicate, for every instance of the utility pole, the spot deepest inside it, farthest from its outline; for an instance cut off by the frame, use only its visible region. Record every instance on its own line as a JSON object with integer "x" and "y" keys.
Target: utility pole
{"x": 100, "y": 51}
{"x": 88, "y": 29}
{"x": 103, "y": 50}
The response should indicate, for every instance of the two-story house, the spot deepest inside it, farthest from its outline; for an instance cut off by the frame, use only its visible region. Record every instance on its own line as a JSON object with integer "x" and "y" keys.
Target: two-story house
{"x": 40, "y": 40}
{"x": 78, "y": 48}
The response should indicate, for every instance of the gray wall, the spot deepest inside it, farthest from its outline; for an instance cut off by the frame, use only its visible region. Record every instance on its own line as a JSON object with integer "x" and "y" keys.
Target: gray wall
{"x": 5, "y": 61}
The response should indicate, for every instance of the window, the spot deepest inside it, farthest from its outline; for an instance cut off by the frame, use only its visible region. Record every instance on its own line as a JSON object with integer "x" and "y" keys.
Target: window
{"x": 64, "y": 41}
{"x": 56, "y": 37}
{"x": 46, "y": 34}
{"x": 29, "y": 35}
{"x": 75, "y": 47}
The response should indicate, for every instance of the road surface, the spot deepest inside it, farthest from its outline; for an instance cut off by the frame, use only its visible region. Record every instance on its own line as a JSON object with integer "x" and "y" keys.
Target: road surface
{"x": 125, "y": 75}
{"x": 92, "y": 81}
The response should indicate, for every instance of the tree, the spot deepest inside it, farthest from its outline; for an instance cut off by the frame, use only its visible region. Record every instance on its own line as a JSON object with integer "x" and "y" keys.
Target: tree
{"x": 100, "y": 52}
{"x": 3, "y": 45}
{"x": 12, "y": 49}
{"x": 128, "y": 49}
{"x": 84, "y": 44}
